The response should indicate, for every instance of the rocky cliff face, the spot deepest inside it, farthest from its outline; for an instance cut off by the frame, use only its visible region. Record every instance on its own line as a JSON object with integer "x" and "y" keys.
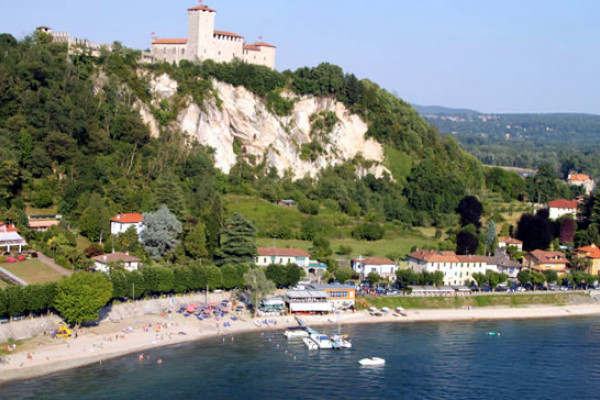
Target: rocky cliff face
{"x": 243, "y": 117}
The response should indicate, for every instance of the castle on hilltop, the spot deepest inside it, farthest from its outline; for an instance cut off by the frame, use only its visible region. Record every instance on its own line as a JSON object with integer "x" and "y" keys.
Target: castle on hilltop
{"x": 204, "y": 42}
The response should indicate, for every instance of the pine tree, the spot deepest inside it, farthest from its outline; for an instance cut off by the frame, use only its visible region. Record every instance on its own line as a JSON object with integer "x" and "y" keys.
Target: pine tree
{"x": 169, "y": 193}
{"x": 195, "y": 242}
{"x": 238, "y": 244}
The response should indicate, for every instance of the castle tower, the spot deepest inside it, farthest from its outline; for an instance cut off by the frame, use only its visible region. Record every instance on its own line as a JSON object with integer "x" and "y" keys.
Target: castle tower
{"x": 201, "y": 27}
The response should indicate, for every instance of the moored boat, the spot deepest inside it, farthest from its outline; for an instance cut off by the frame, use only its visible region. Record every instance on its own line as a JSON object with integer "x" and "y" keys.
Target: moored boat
{"x": 372, "y": 361}
{"x": 341, "y": 341}
{"x": 296, "y": 332}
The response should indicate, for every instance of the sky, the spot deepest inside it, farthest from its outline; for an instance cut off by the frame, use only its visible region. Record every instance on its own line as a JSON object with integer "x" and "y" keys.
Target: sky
{"x": 491, "y": 56}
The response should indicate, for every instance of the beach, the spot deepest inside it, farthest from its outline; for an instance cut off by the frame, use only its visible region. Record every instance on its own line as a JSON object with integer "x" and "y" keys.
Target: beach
{"x": 43, "y": 355}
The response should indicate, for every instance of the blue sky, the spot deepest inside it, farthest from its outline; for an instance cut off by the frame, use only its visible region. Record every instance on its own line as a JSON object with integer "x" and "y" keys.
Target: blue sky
{"x": 492, "y": 56}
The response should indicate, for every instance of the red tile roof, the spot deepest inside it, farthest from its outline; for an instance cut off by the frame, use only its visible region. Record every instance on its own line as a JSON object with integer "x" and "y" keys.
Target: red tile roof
{"x": 578, "y": 177}
{"x": 201, "y": 8}
{"x": 471, "y": 258}
{"x": 115, "y": 257}
{"x": 562, "y": 203}
{"x": 169, "y": 41}
{"x": 434, "y": 256}
{"x": 7, "y": 228}
{"x": 273, "y": 251}
{"x": 251, "y": 47}
{"x": 43, "y": 224}
{"x": 591, "y": 251}
{"x": 509, "y": 240}
{"x": 377, "y": 261}
{"x": 261, "y": 44}
{"x": 549, "y": 257}
{"x": 132, "y": 218}
{"x": 225, "y": 33}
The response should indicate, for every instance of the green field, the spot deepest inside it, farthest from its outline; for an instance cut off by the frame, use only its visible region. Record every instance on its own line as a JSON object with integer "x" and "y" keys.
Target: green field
{"x": 398, "y": 245}
{"x": 82, "y": 243}
{"x": 33, "y": 271}
{"x": 513, "y": 300}
{"x": 3, "y": 284}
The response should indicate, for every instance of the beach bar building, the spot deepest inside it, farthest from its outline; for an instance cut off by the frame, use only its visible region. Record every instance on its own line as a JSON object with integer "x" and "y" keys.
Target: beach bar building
{"x": 308, "y": 302}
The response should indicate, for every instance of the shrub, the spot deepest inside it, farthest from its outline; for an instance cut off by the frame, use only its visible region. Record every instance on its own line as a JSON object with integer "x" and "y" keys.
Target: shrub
{"x": 368, "y": 232}
{"x": 62, "y": 261}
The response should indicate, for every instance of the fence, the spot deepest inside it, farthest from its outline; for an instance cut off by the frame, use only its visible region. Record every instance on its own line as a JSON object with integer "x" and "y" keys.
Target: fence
{"x": 11, "y": 277}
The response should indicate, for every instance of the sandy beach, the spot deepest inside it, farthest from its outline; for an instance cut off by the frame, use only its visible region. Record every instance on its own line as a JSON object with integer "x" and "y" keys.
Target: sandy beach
{"x": 43, "y": 355}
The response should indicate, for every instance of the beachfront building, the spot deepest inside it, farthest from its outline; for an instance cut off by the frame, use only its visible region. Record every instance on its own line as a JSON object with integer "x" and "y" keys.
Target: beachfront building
{"x": 591, "y": 254}
{"x": 273, "y": 255}
{"x": 385, "y": 267}
{"x": 103, "y": 263}
{"x": 10, "y": 238}
{"x": 203, "y": 42}
{"x": 457, "y": 269}
{"x": 560, "y": 207}
{"x": 581, "y": 180}
{"x": 121, "y": 222}
{"x": 308, "y": 301}
{"x": 340, "y": 296}
{"x": 507, "y": 241}
{"x": 540, "y": 261}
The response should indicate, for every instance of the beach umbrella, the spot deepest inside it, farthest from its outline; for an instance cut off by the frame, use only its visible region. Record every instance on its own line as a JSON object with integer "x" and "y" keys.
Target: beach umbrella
{"x": 399, "y": 309}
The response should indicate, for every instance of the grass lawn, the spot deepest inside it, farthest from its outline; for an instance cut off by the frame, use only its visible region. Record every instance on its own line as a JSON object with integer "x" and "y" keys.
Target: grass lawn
{"x": 513, "y": 300}
{"x": 33, "y": 271}
{"x": 41, "y": 211}
{"x": 398, "y": 244}
{"x": 82, "y": 243}
{"x": 3, "y": 284}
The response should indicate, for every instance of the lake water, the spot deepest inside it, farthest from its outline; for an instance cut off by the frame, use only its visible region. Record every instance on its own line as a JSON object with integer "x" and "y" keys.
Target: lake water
{"x": 535, "y": 359}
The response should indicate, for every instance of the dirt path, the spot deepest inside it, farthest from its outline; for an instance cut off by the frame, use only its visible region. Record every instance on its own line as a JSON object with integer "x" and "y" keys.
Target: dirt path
{"x": 50, "y": 262}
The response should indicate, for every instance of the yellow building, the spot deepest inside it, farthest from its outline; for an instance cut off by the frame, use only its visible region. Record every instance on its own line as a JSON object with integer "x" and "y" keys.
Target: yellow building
{"x": 592, "y": 254}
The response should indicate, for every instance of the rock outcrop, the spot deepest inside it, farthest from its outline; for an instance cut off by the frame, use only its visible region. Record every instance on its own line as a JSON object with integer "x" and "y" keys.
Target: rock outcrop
{"x": 243, "y": 117}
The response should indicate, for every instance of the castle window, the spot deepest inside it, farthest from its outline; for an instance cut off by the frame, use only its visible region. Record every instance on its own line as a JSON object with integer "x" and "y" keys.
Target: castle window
{"x": 219, "y": 53}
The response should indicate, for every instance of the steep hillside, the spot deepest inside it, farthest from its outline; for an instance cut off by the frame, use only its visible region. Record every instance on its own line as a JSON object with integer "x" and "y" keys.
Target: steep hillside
{"x": 92, "y": 136}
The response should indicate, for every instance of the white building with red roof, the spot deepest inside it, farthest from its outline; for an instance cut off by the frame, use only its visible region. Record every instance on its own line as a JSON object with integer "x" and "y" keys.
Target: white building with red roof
{"x": 457, "y": 270}
{"x": 121, "y": 222}
{"x": 273, "y": 255}
{"x": 385, "y": 267}
{"x": 560, "y": 207}
{"x": 507, "y": 241}
{"x": 204, "y": 42}
{"x": 582, "y": 180}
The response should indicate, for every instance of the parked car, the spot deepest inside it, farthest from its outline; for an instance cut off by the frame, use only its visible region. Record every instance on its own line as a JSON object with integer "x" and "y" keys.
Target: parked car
{"x": 501, "y": 288}
{"x": 392, "y": 292}
{"x": 564, "y": 288}
{"x": 520, "y": 289}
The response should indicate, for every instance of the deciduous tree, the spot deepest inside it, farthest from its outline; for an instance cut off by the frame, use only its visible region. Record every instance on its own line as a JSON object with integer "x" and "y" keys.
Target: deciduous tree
{"x": 80, "y": 297}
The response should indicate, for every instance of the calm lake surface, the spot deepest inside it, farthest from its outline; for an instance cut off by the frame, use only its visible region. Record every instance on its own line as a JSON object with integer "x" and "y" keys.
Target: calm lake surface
{"x": 536, "y": 359}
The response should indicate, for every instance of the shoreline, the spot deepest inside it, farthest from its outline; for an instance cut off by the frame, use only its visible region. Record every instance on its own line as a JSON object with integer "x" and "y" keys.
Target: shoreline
{"x": 41, "y": 356}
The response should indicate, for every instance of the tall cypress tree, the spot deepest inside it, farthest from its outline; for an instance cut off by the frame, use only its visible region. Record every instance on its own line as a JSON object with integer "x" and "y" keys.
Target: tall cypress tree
{"x": 238, "y": 244}
{"x": 214, "y": 226}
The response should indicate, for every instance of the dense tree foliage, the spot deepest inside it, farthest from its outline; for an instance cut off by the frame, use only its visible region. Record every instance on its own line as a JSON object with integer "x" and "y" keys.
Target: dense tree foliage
{"x": 80, "y": 297}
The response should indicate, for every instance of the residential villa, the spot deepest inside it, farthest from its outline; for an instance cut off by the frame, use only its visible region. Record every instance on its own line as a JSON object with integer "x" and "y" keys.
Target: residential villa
{"x": 286, "y": 203}
{"x": 102, "y": 263}
{"x": 385, "y": 267}
{"x": 540, "y": 261}
{"x": 121, "y": 222}
{"x": 457, "y": 269}
{"x": 560, "y": 207}
{"x": 10, "y": 238}
{"x": 507, "y": 241}
{"x": 42, "y": 225}
{"x": 504, "y": 264}
{"x": 590, "y": 253}
{"x": 581, "y": 180}
{"x": 272, "y": 255}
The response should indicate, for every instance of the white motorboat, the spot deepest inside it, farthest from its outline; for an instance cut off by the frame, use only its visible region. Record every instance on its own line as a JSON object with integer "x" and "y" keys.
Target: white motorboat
{"x": 311, "y": 344}
{"x": 372, "y": 361}
{"x": 321, "y": 341}
{"x": 296, "y": 332}
{"x": 341, "y": 341}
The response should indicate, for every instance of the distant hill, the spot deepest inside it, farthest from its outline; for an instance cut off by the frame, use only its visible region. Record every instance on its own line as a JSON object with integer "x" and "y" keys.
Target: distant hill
{"x": 442, "y": 110}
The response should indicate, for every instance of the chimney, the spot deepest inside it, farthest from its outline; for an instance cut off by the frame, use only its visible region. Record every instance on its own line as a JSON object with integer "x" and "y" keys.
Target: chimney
{"x": 104, "y": 257}
{"x": 118, "y": 216}
{"x": 127, "y": 253}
